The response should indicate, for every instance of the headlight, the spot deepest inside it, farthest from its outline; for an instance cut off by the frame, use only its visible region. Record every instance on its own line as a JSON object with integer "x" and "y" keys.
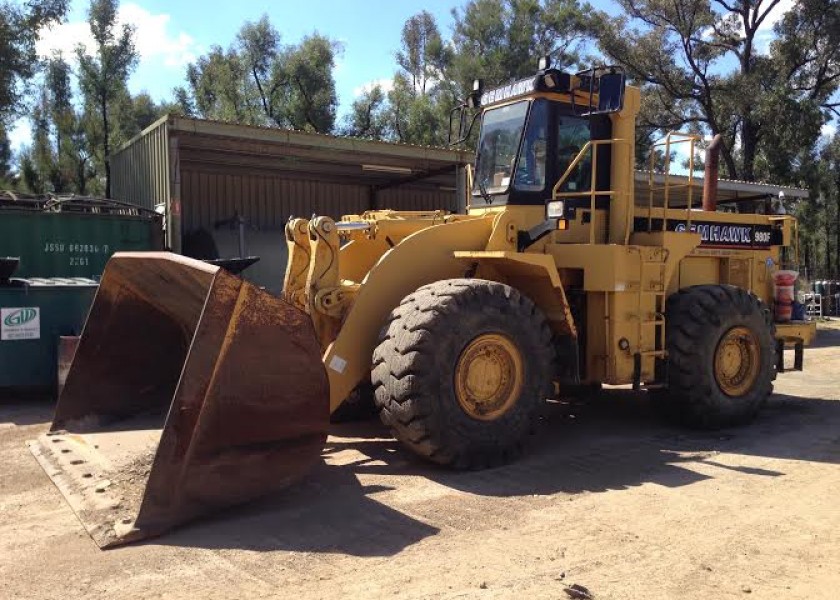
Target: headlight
{"x": 554, "y": 209}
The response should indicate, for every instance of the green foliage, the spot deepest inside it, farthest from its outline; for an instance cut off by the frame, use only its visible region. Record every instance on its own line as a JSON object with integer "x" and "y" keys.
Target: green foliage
{"x": 819, "y": 216}
{"x": 368, "y": 116}
{"x": 43, "y": 157}
{"x": 704, "y": 66}
{"x": 493, "y": 40}
{"x": 423, "y": 56}
{"x": 30, "y": 180}
{"x": 417, "y": 118}
{"x": 500, "y": 40}
{"x": 103, "y": 76}
{"x": 57, "y": 104}
{"x": 6, "y": 176}
{"x": 219, "y": 89}
{"x": 311, "y": 99}
{"x": 423, "y": 92}
{"x": 702, "y": 63}
{"x": 259, "y": 81}
{"x": 256, "y": 55}
{"x": 19, "y": 28}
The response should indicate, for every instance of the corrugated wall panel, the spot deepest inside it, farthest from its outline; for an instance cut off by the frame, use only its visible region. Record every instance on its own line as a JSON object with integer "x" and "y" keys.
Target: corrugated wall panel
{"x": 265, "y": 201}
{"x": 407, "y": 198}
{"x": 268, "y": 201}
{"x": 224, "y": 176}
{"x": 140, "y": 171}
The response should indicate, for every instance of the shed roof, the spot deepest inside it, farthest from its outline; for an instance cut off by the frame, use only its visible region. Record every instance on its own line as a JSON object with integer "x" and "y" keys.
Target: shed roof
{"x": 729, "y": 190}
{"x": 379, "y": 164}
{"x": 220, "y": 145}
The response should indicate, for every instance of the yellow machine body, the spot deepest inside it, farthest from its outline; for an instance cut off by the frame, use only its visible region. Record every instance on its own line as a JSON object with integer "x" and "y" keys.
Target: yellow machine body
{"x": 192, "y": 390}
{"x": 625, "y": 274}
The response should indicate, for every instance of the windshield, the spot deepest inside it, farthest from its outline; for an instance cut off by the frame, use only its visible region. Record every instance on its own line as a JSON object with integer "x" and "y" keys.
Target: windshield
{"x": 501, "y": 132}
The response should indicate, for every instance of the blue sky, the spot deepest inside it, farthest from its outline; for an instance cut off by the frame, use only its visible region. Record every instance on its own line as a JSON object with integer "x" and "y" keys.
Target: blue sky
{"x": 171, "y": 34}
{"x": 369, "y": 31}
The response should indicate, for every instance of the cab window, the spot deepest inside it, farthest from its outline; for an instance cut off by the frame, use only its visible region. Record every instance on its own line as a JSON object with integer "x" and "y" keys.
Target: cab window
{"x": 531, "y": 168}
{"x": 572, "y": 135}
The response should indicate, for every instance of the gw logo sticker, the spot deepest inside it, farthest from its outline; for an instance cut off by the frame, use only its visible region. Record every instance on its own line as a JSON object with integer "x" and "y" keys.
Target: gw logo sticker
{"x": 21, "y": 316}
{"x": 20, "y": 323}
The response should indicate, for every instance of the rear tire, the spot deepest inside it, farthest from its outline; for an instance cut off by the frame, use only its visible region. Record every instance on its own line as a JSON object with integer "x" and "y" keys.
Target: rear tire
{"x": 721, "y": 356}
{"x": 462, "y": 372}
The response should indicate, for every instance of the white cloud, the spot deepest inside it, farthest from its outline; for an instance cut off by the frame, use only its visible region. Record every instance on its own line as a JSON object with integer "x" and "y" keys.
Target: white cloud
{"x": 20, "y": 134}
{"x": 764, "y": 35}
{"x": 829, "y": 129}
{"x": 153, "y": 39}
{"x": 386, "y": 84}
{"x": 775, "y": 15}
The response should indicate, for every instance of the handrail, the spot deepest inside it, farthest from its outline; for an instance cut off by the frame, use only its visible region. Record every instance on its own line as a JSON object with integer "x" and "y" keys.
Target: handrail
{"x": 678, "y": 138}
{"x": 592, "y": 192}
{"x": 469, "y": 182}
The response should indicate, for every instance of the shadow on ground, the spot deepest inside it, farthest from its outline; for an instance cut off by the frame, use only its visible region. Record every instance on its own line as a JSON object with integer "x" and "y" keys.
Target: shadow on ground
{"x": 612, "y": 441}
{"x": 330, "y": 512}
{"x": 22, "y": 409}
{"x": 617, "y": 441}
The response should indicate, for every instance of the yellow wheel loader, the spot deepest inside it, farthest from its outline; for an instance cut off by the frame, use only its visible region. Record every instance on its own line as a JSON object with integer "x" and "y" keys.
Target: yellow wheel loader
{"x": 193, "y": 390}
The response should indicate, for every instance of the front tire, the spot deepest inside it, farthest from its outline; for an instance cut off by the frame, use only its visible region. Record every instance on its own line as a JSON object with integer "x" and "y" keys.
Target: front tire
{"x": 721, "y": 356}
{"x": 462, "y": 372}
{"x": 358, "y": 406}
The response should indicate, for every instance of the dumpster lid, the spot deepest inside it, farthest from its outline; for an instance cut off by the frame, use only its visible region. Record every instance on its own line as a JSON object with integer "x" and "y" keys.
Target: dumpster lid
{"x": 50, "y": 282}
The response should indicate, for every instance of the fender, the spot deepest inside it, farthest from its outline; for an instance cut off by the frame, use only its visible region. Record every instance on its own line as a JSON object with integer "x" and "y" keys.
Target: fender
{"x": 536, "y": 276}
{"x": 423, "y": 257}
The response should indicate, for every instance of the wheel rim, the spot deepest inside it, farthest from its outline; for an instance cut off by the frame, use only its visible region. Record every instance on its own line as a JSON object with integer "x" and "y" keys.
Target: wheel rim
{"x": 488, "y": 377}
{"x": 737, "y": 361}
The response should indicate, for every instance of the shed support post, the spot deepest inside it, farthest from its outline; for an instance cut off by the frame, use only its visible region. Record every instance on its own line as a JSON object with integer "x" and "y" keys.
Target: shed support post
{"x": 174, "y": 208}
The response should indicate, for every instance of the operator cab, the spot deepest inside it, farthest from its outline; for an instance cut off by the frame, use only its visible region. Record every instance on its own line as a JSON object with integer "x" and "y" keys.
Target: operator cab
{"x": 532, "y": 130}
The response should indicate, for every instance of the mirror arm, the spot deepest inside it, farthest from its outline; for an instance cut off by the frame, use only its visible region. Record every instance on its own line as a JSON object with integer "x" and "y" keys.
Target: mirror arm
{"x": 524, "y": 239}
{"x": 465, "y": 136}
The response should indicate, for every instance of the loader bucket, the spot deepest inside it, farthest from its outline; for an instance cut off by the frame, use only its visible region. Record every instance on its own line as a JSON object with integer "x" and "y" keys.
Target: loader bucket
{"x": 191, "y": 390}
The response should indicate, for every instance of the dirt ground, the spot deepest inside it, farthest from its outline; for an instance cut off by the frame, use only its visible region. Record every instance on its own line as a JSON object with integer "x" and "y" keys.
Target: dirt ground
{"x": 609, "y": 498}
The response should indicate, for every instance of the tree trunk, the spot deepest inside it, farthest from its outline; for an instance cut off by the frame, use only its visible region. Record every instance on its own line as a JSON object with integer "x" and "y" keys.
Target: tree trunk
{"x": 827, "y": 249}
{"x": 808, "y": 266}
{"x": 749, "y": 142}
{"x": 81, "y": 184}
{"x": 105, "y": 144}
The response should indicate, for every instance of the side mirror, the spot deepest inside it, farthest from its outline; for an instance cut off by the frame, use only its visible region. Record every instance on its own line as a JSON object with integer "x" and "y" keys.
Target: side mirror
{"x": 459, "y": 115}
{"x": 456, "y": 115}
{"x": 608, "y": 83}
{"x": 611, "y": 92}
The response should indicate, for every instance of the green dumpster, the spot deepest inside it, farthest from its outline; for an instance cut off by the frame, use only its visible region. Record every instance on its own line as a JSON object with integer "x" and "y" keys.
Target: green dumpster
{"x": 73, "y": 237}
{"x": 34, "y": 314}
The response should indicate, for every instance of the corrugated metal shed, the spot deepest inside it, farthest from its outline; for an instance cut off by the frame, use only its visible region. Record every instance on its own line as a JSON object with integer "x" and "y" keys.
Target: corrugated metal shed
{"x": 730, "y": 191}
{"x": 208, "y": 174}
